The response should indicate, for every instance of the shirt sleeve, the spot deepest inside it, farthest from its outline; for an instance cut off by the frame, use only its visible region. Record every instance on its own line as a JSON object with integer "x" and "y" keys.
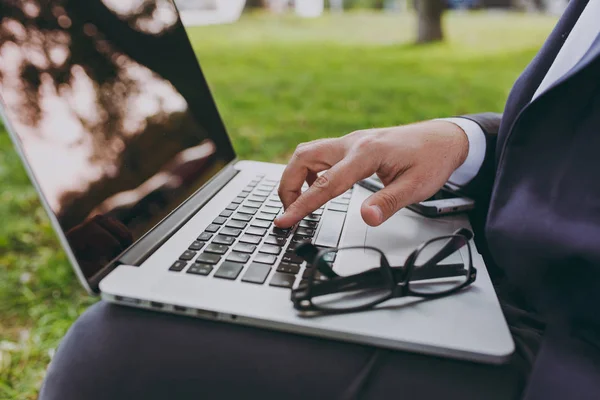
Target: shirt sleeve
{"x": 477, "y": 147}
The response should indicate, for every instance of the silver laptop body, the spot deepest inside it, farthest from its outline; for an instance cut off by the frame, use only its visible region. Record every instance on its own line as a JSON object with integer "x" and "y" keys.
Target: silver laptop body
{"x": 136, "y": 171}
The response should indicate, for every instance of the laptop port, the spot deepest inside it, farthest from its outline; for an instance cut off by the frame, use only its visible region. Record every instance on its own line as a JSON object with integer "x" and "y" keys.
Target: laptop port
{"x": 207, "y": 314}
{"x": 156, "y": 304}
{"x": 180, "y": 308}
{"x": 127, "y": 300}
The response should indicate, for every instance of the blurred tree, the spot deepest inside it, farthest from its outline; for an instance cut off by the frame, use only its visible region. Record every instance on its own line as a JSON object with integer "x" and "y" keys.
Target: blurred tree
{"x": 429, "y": 20}
{"x": 255, "y": 3}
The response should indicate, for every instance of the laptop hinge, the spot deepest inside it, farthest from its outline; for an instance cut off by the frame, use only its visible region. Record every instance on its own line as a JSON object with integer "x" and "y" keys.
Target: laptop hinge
{"x": 151, "y": 241}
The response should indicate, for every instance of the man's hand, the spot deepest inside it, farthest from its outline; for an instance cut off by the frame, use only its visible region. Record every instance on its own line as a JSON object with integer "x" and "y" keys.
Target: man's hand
{"x": 412, "y": 161}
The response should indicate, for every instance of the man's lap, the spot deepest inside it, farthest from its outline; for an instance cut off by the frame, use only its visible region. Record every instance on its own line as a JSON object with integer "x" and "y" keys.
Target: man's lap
{"x": 115, "y": 352}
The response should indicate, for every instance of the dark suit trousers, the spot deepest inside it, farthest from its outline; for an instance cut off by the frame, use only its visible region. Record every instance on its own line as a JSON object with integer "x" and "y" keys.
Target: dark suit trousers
{"x": 114, "y": 352}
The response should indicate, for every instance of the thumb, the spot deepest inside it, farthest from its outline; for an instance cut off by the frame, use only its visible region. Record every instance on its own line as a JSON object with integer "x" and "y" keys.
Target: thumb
{"x": 380, "y": 206}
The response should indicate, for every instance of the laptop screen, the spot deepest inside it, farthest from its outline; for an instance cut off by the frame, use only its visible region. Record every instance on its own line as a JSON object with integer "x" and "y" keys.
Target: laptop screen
{"x": 113, "y": 115}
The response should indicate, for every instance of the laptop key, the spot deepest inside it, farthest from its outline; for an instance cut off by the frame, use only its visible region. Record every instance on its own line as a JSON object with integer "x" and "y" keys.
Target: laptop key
{"x": 262, "y": 192}
{"x": 270, "y": 249}
{"x": 212, "y": 228}
{"x": 216, "y": 248}
{"x": 250, "y": 239}
{"x": 258, "y": 198}
{"x": 305, "y": 232}
{"x": 265, "y": 216}
{"x": 318, "y": 276}
{"x": 266, "y": 186}
{"x": 219, "y": 220}
{"x": 265, "y": 258}
{"x": 238, "y": 257}
{"x": 187, "y": 255}
{"x": 308, "y": 224}
{"x": 204, "y": 237}
{"x": 282, "y": 280}
{"x": 253, "y": 204}
{"x": 207, "y": 258}
{"x": 229, "y": 270}
{"x": 341, "y": 201}
{"x": 242, "y": 217}
{"x": 276, "y": 240}
{"x": 247, "y": 210}
{"x": 236, "y": 224}
{"x": 238, "y": 200}
{"x": 281, "y": 232}
{"x": 227, "y": 240}
{"x": 317, "y": 212}
{"x": 200, "y": 269}
{"x": 261, "y": 223}
{"x": 312, "y": 217}
{"x": 226, "y": 213}
{"x": 275, "y": 203}
{"x": 256, "y": 273}
{"x": 292, "y": 246}
{"x": 196, "y": 245}
{"x": 292, "y": 258}
{"x": 288, "y": 268}
{"x": 300, "y": 239}
{"x": 230, "y": 232}
{"x": 253, "y": 230}
{"x": 232, "y": 207}
{"x": 178, "y": 266}
{"x": 244, "y": 193}
{"x": 270, "y": 210}
{"x": 337, "y": 207}
{"x": 244, "y": 248}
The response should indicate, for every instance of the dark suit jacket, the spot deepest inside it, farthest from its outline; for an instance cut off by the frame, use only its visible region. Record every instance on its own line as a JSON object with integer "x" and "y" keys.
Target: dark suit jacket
{"x": 539, "y": 189}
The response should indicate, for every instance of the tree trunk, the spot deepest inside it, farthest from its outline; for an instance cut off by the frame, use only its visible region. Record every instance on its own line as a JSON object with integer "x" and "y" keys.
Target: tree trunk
{"x": 429, "y": 25}
{"x": 255, "y": 4}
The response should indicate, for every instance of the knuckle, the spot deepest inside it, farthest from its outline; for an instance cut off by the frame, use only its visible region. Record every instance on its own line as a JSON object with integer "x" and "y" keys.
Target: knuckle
{"x": 302, "y": 150}
{"x": 389, "y": 202}
{"x": 365, "y": 143}
{"x": 322, "y": 182}
{"x": 324, "y": 185}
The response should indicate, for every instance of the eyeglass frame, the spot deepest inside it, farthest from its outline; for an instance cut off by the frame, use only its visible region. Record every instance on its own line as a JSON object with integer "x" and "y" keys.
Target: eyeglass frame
{"x": 302, "y": 296}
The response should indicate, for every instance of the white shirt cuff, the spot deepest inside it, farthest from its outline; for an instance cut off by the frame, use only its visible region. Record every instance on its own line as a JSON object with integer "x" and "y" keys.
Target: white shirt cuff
{"x": 477, "y": 146}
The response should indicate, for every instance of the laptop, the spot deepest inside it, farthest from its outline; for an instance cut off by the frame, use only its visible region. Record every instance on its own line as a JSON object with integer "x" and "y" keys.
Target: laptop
{"x": 115, "y": 123}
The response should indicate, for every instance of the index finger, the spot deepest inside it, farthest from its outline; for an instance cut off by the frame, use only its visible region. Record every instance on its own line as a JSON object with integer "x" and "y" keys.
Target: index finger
{"x": 331, "y": 184}
{"x": 308, "y": 158}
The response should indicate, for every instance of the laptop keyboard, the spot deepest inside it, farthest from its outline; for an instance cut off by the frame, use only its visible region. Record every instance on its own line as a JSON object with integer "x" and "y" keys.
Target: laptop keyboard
{"x": 242, "y": 242}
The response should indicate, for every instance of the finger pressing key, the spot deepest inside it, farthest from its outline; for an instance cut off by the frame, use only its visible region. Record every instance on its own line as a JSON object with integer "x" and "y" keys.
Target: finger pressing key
{"x": 330, "y": 184}
{"x": 307, "y": 161}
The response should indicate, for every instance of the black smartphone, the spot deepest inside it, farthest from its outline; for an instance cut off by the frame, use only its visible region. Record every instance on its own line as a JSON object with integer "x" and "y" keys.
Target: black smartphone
{"x": 448, "y": 200}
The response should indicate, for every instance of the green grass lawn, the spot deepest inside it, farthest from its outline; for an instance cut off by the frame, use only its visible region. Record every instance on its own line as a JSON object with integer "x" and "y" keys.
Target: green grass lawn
{"x": 277, "y": 82}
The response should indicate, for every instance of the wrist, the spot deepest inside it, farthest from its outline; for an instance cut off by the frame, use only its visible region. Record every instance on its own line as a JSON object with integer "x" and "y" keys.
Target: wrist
{"x": 458, "y": 140}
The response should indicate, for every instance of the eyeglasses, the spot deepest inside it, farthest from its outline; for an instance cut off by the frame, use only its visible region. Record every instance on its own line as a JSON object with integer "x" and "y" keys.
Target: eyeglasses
{"x": 434, "y": 269}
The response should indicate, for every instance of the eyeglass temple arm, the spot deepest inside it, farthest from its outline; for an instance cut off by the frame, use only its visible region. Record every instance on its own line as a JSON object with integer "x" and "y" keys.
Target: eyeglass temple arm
{"x": 449, "y": 248}
{"x": 309, "y": 252}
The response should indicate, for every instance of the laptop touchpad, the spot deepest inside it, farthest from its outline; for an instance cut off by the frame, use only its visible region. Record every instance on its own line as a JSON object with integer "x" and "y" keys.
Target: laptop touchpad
{"x": 404, "y": 232}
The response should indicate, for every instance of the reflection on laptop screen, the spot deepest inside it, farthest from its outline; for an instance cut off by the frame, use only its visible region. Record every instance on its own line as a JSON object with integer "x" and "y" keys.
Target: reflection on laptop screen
{"x": 112, "y": 112}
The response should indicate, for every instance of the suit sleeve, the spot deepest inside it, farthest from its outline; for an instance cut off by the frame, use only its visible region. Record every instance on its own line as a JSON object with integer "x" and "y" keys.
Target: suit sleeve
{"x": 480, "y": 186}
